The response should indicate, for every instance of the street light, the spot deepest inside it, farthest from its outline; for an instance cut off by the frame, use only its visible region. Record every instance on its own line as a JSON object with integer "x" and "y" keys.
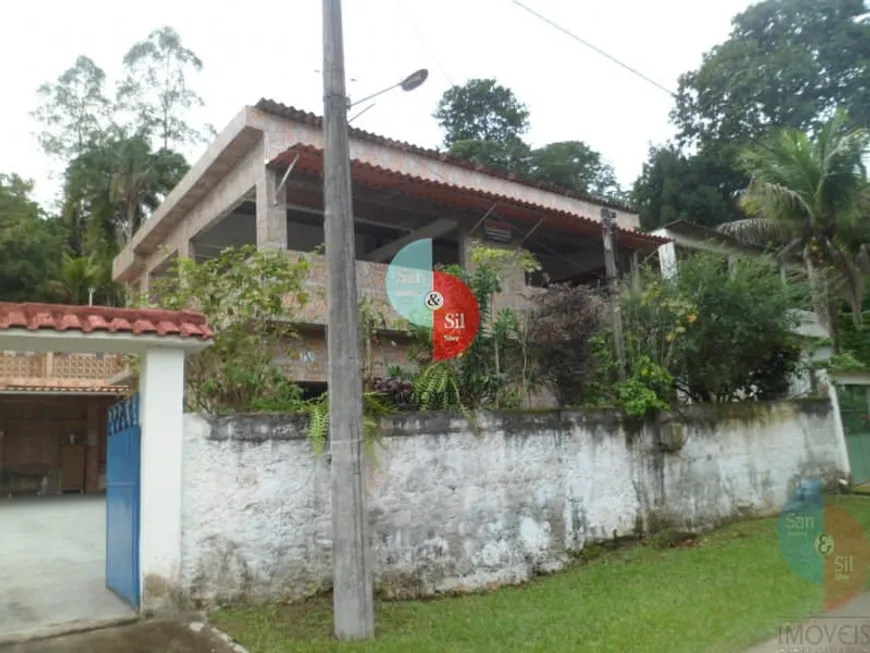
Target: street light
{"x": 413, "y": 81}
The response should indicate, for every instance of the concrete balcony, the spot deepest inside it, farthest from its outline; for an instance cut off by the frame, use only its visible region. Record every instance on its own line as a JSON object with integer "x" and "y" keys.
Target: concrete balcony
{"x": 371, "y": 279}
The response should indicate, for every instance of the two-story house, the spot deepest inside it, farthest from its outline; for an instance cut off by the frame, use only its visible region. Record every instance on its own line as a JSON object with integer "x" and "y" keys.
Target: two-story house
{"x": 260, "y": 183}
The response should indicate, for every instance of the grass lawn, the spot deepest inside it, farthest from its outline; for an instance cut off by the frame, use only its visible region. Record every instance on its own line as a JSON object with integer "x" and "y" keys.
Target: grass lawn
{"x": 731, "y": 591}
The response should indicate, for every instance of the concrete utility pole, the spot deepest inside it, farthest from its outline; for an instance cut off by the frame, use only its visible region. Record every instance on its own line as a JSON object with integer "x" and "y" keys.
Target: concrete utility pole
{"x": 352, "y": 578}
{"x": 608, "y": 217}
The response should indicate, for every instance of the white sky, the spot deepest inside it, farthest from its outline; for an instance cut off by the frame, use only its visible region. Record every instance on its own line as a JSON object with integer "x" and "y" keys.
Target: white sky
{"x": 272, "y": 49}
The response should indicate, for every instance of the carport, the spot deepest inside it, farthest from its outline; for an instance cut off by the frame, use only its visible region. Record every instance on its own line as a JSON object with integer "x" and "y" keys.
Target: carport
{"x": 94, "y": 558}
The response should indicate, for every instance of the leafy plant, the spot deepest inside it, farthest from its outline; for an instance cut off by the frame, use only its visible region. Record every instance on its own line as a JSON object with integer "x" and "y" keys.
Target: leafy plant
{"x": 250, "y": 297}
{"x": 647, "y": 390}
{"x": 563, "y": 322}
{"x": 374, "y": 408}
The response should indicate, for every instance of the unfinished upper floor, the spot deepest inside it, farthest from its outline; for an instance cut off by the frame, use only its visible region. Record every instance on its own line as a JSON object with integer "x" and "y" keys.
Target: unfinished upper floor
{"x": 260, "y": 183}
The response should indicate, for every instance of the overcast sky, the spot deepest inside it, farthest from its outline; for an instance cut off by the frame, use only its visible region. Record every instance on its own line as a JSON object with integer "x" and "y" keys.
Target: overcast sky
{"x": 274, "y": 48}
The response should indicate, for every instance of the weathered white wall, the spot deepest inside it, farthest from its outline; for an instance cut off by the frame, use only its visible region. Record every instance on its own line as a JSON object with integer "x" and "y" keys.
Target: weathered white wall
{"x": 451, "y": 510}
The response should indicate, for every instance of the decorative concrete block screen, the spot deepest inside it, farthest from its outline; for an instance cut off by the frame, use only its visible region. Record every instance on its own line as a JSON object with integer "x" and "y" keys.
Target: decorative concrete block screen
{"x": 453, "y": 510}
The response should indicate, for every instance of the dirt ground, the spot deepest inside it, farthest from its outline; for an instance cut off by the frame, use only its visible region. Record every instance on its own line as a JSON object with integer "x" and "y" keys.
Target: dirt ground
{"x": 141, "y": 637}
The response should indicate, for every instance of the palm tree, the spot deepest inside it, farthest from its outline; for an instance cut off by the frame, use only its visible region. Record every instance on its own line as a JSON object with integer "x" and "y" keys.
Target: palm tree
{"x": 78, "y": 277}
{"x": 809, "y": 196}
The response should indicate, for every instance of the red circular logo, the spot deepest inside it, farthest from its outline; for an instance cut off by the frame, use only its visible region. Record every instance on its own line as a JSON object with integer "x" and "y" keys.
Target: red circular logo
{"x": 455, "y": 316}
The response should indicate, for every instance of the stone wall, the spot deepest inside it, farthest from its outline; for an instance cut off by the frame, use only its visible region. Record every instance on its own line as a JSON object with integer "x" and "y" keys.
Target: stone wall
{"x": 450, "y": 510}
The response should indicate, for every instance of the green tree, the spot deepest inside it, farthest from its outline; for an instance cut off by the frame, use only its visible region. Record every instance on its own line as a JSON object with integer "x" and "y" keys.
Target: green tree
{"x": 30, "y": 243}
{"x": 113, "y": 186}
{"x": 574, "y": 165}
{"x": 481, "y": 110}
{"x": 77, "y": 278}
{"x": 485, "y": 123}
{"x": 809, "y": 195}
{"x": 786, "y": 63}
{"x": 674, "y": 186}
{"x": 157, "y": 88}
{"x": 74, "y": 110}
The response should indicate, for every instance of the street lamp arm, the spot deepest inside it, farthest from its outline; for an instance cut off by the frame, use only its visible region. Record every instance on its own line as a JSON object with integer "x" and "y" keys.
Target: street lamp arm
{"x": 373, "y": 95}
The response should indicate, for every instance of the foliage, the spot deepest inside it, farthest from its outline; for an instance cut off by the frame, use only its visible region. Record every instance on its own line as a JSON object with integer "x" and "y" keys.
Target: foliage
{"x": 114, "y": 176}
{"x": 484, "y": 122}
{"x": 576, "y": 166}
{"x": 76, "y": 280}
{"x": 563, "y": 322}
{"x": 374, "y": 408}
{"x": 675, "y": 186}
{"x": 786, "y": 63}
{"x": 74, "y": 110}
{"x": 157, "y": 89}
{"x": 845, "y": 361}
{"x": 250, "y": 298}
{"x": 113, "y": 186}
{"x": 810, "y": 195}
{"x": 481, "y": 110}
{"x": 494, "y": 370}
{"x": 30, "y": 244}
{"x": 723, "y": 333}
{"x": 396, "y": 390}
{"x": 647, "y": 391}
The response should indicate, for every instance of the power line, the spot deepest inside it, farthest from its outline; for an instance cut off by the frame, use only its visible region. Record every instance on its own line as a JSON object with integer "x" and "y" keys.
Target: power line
{"x": 596, "y": 49}
{"x": 424, "y": 42}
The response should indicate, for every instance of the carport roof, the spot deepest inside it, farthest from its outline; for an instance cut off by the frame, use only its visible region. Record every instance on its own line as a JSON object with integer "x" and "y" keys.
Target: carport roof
{"x": 102, "y": 319}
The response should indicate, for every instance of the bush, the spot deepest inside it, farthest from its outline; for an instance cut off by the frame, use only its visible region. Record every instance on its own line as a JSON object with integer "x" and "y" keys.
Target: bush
{"x": 722, "y": 333}
{"x": 562, "y": 322}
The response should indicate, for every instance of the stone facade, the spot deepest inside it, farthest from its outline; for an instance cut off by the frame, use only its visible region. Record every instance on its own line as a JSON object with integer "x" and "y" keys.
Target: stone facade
{"x": 451, "y": 510}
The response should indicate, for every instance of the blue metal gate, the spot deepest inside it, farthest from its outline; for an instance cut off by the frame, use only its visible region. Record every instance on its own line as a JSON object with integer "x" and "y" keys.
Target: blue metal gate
{"x": 122, "y": 500}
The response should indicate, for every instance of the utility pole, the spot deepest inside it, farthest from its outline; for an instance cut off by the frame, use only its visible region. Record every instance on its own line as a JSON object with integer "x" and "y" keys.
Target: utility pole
{"x": 608, "y": 218}
{"x": 352, "y": 578}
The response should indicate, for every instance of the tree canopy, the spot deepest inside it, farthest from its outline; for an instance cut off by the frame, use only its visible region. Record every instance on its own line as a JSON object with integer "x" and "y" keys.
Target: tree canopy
{"x": 485, "y": 122}
{"x": 785, "y": 64}
{"x": 121, "y": 155}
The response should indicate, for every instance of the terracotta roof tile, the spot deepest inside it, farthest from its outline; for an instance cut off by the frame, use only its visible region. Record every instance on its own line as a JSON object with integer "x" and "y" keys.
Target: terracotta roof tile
{"x": 291, "y": 113}
{"x": 90, "y": 319}
{"x": 311, "y": 160}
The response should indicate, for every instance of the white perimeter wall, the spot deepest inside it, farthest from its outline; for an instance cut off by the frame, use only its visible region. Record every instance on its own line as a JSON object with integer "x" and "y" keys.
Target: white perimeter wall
{"x": 451, "y": 510}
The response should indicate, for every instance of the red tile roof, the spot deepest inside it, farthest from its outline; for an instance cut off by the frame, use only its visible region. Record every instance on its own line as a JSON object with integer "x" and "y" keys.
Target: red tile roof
{"x": 306, "y": 117}
{"x": 93, "y": 319}
{"x": 372, "y": 176}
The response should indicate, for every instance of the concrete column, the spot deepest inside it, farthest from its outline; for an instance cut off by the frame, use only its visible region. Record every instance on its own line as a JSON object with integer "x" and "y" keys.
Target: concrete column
{"x": 271, "y": 212}
{"x": 839, "y": 430}
{"x": 161, "y": 388}
{"x": 668, "y": 260}
{"x": 186, "y": 249}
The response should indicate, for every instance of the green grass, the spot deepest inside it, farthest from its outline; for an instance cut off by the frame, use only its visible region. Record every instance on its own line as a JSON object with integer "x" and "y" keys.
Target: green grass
{"x": 730, "y": 591}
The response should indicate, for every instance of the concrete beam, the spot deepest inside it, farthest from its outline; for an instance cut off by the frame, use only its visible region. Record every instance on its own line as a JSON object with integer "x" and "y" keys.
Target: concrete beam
{"x": 435, "y": 229}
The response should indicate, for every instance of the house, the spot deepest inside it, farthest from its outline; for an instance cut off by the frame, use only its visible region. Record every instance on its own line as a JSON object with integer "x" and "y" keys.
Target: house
{"x": 260, "y": 183}
{"x": 53, "y": 428}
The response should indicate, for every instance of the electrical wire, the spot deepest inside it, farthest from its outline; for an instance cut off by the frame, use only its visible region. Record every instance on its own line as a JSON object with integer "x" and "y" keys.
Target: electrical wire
{"x": 430, "y": 50}
{"x": 595, "y": 48}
